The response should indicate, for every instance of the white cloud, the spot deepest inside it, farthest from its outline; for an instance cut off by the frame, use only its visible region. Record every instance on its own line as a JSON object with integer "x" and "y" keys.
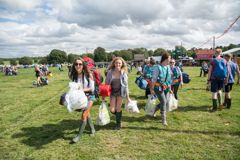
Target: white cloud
{"x": 36, "y": 27}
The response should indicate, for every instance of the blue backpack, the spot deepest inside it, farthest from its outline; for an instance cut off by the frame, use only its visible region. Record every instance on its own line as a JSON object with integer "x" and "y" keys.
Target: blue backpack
{"x": 141, "y": 82}
{"x": 220, "y": 70}
{"x": 186, "y": 78}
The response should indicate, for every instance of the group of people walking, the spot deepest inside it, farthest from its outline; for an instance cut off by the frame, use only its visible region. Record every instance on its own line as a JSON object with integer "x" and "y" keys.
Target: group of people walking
{"x": 163, "y": 78}
{"x": 160, "y": 78}
{"x": 221, "y": 75}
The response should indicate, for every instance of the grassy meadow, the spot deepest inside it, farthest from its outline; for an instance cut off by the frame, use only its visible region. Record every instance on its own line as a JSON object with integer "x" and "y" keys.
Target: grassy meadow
{"x": 34, "y": 126}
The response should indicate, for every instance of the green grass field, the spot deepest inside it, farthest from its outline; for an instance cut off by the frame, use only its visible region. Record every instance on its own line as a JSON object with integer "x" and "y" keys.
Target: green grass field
{"x": 34, "y": 126}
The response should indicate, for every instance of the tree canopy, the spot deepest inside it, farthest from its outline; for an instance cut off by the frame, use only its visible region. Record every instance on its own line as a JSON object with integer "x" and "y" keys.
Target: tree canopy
{"x": 57, "y": 57}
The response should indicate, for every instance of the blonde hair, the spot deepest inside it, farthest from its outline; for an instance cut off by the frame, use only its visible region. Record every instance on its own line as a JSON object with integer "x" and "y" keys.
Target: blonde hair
{"x": 124, "y": 67}
{"x": 218, "y": 51}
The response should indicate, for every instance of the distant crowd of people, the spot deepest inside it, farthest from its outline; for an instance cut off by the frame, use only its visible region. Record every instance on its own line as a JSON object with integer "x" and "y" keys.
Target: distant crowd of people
{"x": 10, "y": 70}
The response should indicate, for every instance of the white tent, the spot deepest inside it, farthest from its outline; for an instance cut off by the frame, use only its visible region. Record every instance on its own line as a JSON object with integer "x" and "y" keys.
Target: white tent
{"x": 234, "y": 51}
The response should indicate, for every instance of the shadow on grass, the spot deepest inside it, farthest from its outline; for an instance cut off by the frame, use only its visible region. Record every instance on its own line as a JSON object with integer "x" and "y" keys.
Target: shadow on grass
{"x": 193, "y": 108}
{"x": 185, "y": 131}
{"x": 137, "y": 97}
{"x": 193, "y": 89}
{"x": 39, "y": 136}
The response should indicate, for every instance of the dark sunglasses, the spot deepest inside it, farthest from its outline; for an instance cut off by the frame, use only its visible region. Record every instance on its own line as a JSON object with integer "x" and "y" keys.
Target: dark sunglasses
{"x": 78, "y": 64}
{"x": 172, "y": 62}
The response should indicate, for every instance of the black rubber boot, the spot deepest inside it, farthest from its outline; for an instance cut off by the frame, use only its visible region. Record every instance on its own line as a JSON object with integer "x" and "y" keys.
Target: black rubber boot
{"x": 225, "y": 101}
{"x": 229, "y": 103}
{"x": 118, "y": 120}
{"x": 214, "y": 109}
{"x": 220, "y": 104}
{"x": 89, "y": 120}
{"x": 81, "y": 129}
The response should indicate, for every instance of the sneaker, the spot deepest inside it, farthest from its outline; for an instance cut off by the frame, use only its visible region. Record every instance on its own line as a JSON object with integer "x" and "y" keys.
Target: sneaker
{"x": 76, "y": 139}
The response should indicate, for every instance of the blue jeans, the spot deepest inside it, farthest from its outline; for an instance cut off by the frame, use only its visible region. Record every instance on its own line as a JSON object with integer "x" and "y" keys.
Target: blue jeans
{"x": 163, "y": 98}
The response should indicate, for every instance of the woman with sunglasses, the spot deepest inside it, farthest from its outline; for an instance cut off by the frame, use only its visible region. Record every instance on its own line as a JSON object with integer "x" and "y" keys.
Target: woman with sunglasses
{"x": 161, "y": 83}
{"x": 80, "y": 74}
{"x": 177, "y": 79}
{"x": 118, "y": 79}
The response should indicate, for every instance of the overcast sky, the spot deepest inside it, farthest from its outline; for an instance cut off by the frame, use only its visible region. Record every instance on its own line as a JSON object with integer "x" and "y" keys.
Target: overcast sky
{"x": 35, "y": 27}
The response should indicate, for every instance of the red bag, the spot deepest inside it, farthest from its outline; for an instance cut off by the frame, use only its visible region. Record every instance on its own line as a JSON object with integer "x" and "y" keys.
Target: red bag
{"x": 105, "y": 90}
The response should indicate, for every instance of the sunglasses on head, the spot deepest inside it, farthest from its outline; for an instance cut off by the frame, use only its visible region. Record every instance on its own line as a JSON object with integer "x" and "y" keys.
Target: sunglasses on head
{"x": 78, "y": 64}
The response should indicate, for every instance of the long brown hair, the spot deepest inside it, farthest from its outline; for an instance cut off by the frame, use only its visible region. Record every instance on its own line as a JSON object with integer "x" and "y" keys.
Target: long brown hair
{"x": 164, "y": 56}
{"x": 74, "y": 74}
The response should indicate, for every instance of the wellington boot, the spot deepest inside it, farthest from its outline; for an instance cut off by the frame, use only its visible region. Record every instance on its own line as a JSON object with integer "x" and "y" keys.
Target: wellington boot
{"x": 81, "y": 129}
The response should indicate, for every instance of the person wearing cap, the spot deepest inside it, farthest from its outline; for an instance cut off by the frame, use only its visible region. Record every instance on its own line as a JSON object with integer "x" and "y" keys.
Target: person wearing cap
{"x": 233, "y": 70}
{"x": 177, "y": 79}
{"x": 217, "y": 76}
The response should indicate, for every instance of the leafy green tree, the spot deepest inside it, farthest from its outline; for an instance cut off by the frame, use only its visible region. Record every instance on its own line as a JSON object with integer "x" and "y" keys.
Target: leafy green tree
{"x": 35, "y": 60}
{"x": 150, "y": 53}
{"x": 126, "y": 55}
{"x": 191, "y": 53}
{"x": 100, "y": 54}
{"x": 25, "y": 61}
{"x": 90, "y": 55}
{"x": 159, "y": 52}
{"x": 13, "y": 62}
{"x": 57, "y": 57}
{"x": 1, "y": 62}
{"x": 43, "y": 60}
{"x": 180, "y": 51}
{"x": 71, "y": 57}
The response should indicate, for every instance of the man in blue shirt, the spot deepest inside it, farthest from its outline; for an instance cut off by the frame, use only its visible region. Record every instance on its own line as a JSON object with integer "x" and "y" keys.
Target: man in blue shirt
{"x": 233, "y": 70}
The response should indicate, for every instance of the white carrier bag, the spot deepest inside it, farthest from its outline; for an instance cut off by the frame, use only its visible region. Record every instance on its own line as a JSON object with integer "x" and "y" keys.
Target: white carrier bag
{"x": 75, "y": 98}
{"x": 132, "y": 107}
{"x": 103, "y": 115}
{"x": 172, "y": 103}
{"x": 151, "y": 105}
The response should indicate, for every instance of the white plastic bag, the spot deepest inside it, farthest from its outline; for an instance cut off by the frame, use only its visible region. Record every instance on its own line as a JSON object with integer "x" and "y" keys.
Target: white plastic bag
{"x": 75, "y": 98}
{"x": 131, "y": 107}
{"x": 151, "y": 105}
{"x": 103, "y": 115}
{"x": 172, "y": 103}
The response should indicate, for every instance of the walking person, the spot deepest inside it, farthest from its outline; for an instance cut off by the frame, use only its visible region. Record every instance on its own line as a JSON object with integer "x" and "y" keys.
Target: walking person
{"x": 147, "y": 74}
{"x": 177, "y": 79}
{"x": 161, "y": 83}
{"x": 233, "y": 70}
{"x": 204, "y": 69}
{"x": 81, "y": 75}
{"x": 118, "y": 79}
{"x": 217, "y": 76}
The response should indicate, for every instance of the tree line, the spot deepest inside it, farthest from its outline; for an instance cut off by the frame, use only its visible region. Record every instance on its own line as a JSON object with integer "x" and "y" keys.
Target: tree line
{"x": 57, "y": 56}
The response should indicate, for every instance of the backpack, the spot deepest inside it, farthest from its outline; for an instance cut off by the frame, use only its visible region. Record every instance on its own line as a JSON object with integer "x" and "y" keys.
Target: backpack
{"x": 141, "y": 82}
{"x": 98, "y": 79}
{"x": 220, "y": 69}
{"x": 186, "y": 78}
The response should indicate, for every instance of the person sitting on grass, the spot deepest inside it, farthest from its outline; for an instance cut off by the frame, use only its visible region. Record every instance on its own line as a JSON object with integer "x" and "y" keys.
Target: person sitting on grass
{"x": 38, "y": 74}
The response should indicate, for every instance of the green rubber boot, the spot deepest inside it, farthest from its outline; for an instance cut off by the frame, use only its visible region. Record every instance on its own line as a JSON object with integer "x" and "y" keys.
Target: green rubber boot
{"x": 81, "y": 129}
{"x": 89, "y": 120}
